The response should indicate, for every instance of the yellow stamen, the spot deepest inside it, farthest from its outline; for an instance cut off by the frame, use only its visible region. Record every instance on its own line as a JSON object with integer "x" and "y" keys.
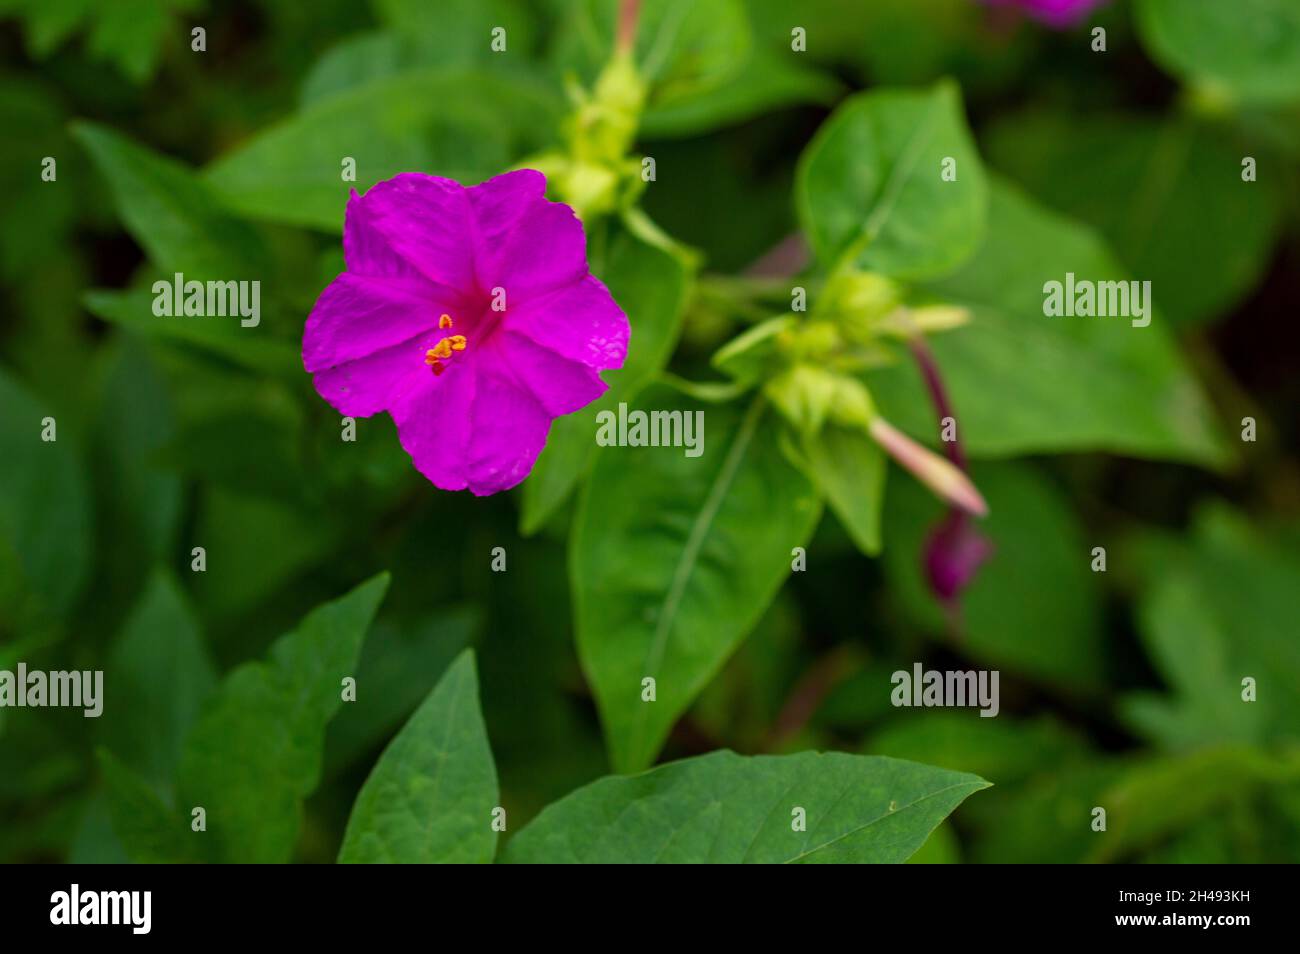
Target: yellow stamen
{"x": 443, "y": 349}
{"x": 445, "y": 322}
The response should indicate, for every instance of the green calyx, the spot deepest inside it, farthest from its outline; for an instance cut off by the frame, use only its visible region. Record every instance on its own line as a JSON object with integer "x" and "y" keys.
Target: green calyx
{"x": 809, "y": 396}
{"x": 805, "y": 368}
{"x": 868, "y": 307}
{"x": 592, "y": 171}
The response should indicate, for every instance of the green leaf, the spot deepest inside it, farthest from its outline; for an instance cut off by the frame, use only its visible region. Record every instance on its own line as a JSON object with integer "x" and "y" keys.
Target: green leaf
{"x": 255, "y": 753}
{"x": 1033, "y": 607}
{"x": 1153, "y": 192}
{"x": 131, "y": 33}
{"x": 39, "y": 217}
{"x": 449, "y": 33}
{"x": 544, "y": 743}
{"x": 49, "y": 24}
{"x": 1022, "y": 382}
{"x": 869, "y": 187}
{"x": 355, "y": 61}
{"x": 45, "y": 521}
{"x": 175, "y": 217}
{"x": 267, "y": 427}
{"x": 254, "y": 546}
{"x": 183, "y": 227}
{"x": 849, "y": 467}
{"x": 138, "y": 504}
{"x": 1045, "y": 820}
{"x": 1147, "y": 800}
{"x": 398, "y": 662}
{"x": 1007, "y": 750}
{"x": 834, "y": 29}
{"x": 458, "y": 32}
{"x": 1250, "y": 828}
{"x": 726, "y": 808}
{"x": 465, "y": 124}
{"x": 127, "y": 33}
{"x": 96, "y": 843}
{"x": 1159, "y": 796}
{"x": 430, "y": 797}
{"x": 912, "y": 41}
{"x": 1188, "y": 647}
{"x": 673, "y": 559}
{"x": 160, "y": 672}
{"x": 684, "y": 49}
{"x": 650, "y": 286}
{"x": 133, "y": 309}
{"x": 1217, "y": 609}
{"x": 1250, "y": 48}
{"x": 765, "y": 83}
{"x": 149, "y": 830}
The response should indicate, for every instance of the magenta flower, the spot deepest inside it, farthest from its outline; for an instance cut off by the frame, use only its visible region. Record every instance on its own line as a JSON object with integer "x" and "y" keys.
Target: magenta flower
{"x": 470, "y": 316}
{"x": 1055, "y": 13}
{"x": 954, "y": 552}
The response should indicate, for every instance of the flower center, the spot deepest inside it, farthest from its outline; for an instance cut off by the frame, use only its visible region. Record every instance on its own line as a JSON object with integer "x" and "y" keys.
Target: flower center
{"x": 442, "y": 351}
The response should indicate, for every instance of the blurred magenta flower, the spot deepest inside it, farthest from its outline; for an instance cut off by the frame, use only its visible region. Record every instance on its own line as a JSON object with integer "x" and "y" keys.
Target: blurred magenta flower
{"x": 470, "y": 316}
{"x": 954, "y": 548}
{"x": 954, "y": 552}
{"x": 1055, "y": 13}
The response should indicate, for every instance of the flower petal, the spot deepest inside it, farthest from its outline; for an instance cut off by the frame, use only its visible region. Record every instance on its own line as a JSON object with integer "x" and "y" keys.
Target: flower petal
{"x": 417, "y": 246}
{"x": 358, "y": 315}
{"x": 474, "y": 426}
{"x": 523, "y": 243}
{"x": 581, "y": 322}
{"x": 377, "y": 381}
{"x": 509, "y": 431}
{"x": 499, "y": 202}
{"x": 560, "y": 385}
{"x": 411, "y": 225}
{"x": 433, "y": 425}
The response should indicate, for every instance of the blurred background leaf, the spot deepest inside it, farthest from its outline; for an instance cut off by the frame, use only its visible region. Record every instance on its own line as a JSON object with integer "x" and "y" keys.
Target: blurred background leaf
{"x": 1169, "y": 198}
{"x": 1022, "y": 382}
{"x": 1251, "y": 49}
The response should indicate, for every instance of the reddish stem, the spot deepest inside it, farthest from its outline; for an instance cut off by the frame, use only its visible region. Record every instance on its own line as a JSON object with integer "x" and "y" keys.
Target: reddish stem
{"x": 628, "y": 12}
{"x": 938, "y": 394}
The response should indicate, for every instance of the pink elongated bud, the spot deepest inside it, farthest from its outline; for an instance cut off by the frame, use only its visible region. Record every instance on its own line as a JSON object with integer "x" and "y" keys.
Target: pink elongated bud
{"x": 627, "y": 17}
{"x": 940, "y": 475}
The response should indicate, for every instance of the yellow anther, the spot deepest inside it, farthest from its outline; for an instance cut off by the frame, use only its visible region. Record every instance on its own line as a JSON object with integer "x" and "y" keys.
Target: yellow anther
{"x": 445, "y": 322}
{"x": 443, "y": 349}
